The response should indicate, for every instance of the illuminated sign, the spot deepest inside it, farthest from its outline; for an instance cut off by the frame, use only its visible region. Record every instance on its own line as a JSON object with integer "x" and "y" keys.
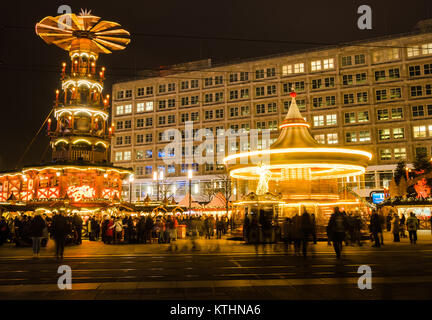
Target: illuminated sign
{"x": 48, "y": 193}
{"x": 377, "y": 197}
{"x": 80, "y": 193}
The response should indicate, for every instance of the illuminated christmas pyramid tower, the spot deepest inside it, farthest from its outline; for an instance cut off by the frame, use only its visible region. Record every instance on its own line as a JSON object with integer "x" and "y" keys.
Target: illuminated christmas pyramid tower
{"x": 80, "y": 173}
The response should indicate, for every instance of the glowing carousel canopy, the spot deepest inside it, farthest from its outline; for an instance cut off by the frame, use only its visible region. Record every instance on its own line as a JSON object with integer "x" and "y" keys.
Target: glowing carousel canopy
{"x": 296, "y": 155}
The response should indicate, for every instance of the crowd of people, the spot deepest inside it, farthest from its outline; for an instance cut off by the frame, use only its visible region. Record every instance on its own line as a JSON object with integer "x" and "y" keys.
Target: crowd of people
{"x": 349, "y": 228}
{"x": 299, "y": 230}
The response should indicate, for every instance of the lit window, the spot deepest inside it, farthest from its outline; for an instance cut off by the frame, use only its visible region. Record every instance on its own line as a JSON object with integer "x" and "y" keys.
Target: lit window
{"x": 427, "y": 48}
{"x": 298, "y": 67}
{"x": 140, "y": 107}
{"x": 400, "y": 153}
{"x": 320, "y": 138}
{"x": 119, "y": 156}
{"x": 385, "y": 154}
{"x": 363, "y": 116}
{"x": 286, "y": 69}
{"x": 316, "y": 65}
{"x": 332, "y": 138}
{"x": 139, "y": 155}
{"x": 384, "y": 134}
{"x": 413, "y": 51}
{"x": 119, "y": 110}
{"x": 318, "y": 121}
{"x": 364, "y": 136}
{"x": 328, "y": 63}
{"x": 331, "y": 119}
{"x": 128, "y": 109}
{"x": 419, "y": 131}
{"x": 398, "y": 133}
{"x": 351, "y": 137}
{"x": 149, "y": 106}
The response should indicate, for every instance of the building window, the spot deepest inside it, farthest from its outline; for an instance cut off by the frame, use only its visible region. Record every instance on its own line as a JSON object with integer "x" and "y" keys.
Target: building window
{"x": 397, "y": 113}
{"x": 398, "y": 133}
{"x": 413, "y": 51}
{"x": 414, "y": 71}
{"x": 149, "y": 154}
{"x": 346, "y": 61}
{"x": 119, "y": 141}
{"x": 348, "y": 98}
{"x": 259, "y": 74}
{"x": 381, "y": 95}
{"x": 331, "y": 119}
{"x": 416, "y": 91}
{"x": 395, "y": 93}
{"x": 119, "y": 125}
{"x": 385, "y": 154}
{"x": 128, "y": 124}
{"x": 270, "y": 72}
{"x": 320, "y": 138}
{"x": 119, "y": 110}
{"x": 363, "y": 116}
{"x": 419, "y": 131}
{"x": 347, "y": 80}
{"x": 149, "y": 122}
{"x": 350, "y": 117}
{"x": 328, "y": 63}
{"x": 162, "y": 88}
{"x": 118, "y": 156}
{"x": 399, "y": 153}
{"x": 359, "y": 59}
{"x": 120, "y": 95}
{"x": 316, "y": 65}
{"x": 364, "y": 136}
{"x": 128, "y": 93}
{"x": 383, "y": 114}
{"x": 149, "y": 91}
{"x": 427, "y": 48}
{"x": 149, "y": 106}
{"x": 384, "y": 134}
{"x": 332, "y": 138}
{"x": 140, "y": 123}
{"x": 127, "y": 156}
{"x": 140, "y": 138}
{"x": 318, "y": 121}
{"x": 149, "y": 137}
{"x": 171, "y": 87}
{"x": 140, "y": 107}
{"x": 139, "y": 155}
{"x": 351, "y": 137}
{"x": 148, "y": 170}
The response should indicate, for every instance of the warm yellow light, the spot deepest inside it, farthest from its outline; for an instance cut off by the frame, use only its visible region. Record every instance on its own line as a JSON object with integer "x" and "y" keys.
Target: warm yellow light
{"x": 82, "y": 140}
{"x": 190, "y": 174}
{"x": 340, "y": 171}
{"x": 60, "y": 140}
{"x": 102, "y": 143}
{"x": 155, "y": 175}
{"x": 297, "y": 150}
{"x": 294, "y": 125}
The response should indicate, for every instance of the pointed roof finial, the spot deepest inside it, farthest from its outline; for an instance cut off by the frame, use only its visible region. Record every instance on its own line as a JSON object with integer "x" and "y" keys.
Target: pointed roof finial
{"x": 293, "y": 111}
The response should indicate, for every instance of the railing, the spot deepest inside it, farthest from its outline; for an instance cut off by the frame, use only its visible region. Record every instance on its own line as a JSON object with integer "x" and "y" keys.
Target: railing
{"x": 79, "y": 155}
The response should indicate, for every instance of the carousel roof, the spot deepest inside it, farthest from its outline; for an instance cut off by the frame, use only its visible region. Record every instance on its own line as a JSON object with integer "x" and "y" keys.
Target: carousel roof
{"x": 84, "y": 32}
{"x": 296, "y": 148}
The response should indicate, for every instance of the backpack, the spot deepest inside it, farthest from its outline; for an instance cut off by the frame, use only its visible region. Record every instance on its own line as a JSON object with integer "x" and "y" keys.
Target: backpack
{"x": 339, "y": 225}
{"x": 411, "y": 224}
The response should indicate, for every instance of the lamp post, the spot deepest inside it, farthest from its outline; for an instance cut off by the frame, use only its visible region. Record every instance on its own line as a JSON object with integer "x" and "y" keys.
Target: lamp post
{"x": 131, "y": 179}
{"x": 190, "y": 189}
{"x": 155, "y": 178}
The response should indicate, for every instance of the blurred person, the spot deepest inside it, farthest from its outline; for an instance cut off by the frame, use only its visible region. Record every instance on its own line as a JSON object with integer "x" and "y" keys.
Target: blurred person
{"x": 286, "y": 230}
{"x": 357, "y": 226}
{"x": 37, "y": 226}
{"x": 314, "y": 236}
{"x": 395, "y": 228}
{"x": 337, "y": 227}
{"x": 306, "y": 230}
{"x": 412, "y": 227}
{"x": 118, "y": 230}
{"x": 389, "y": 219}
{"x": 246, "y": 228}
{"x": 402, "y": 226}
{"x": 296, "y": 233}
{"x": 4, "y": 230}
{"x": 383, "y": 223}
{"x": 60, "y": 229}
{"x": 78, "y": 224}
{"x": 375, "y": 228}
{"x": 109, "y": 234}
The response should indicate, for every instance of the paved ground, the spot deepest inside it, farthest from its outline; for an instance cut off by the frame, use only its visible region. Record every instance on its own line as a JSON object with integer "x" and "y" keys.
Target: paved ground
{"x": 221, "y": 269}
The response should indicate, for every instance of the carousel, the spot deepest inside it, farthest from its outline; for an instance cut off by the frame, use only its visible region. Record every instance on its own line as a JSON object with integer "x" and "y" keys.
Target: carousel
{"x": 79, "y": 175}
{"x": 295, "y": 172}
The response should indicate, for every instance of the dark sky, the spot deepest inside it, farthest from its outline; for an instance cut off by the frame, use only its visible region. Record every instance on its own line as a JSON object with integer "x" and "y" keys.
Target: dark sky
{"x": 29, "y": 68}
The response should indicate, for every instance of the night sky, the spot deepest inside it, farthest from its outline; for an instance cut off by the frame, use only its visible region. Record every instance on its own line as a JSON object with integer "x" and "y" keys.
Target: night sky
{"x": 30, "y": 69}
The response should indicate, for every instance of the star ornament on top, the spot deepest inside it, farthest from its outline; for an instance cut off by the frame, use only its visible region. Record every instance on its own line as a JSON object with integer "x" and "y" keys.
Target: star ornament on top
{"x": 85, "y": 12}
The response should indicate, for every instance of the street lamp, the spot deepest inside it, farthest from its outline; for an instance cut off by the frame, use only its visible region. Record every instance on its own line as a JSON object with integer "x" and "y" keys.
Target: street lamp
{"x": 155, "y": 178}
{"x": 190, "y": 189}
{"x": 131, "y": 179}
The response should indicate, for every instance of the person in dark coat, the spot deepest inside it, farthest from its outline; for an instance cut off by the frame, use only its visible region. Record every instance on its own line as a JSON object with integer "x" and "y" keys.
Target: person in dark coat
{"x": 4, "y": 230}
{"x": 37, "y": 226}
{"x": 337, "y": 228}
{"x": 375, "y": 228}
{"x": 60, "y": 229}
{"x": 306, "y": 230}
{"x": 149, "y": 224}
{"x": 78, "y": 224}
